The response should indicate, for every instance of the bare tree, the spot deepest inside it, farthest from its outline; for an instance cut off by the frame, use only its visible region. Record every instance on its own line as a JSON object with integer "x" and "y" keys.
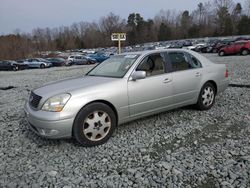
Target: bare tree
{"x": 247, "y": 7}
{"x": 110, "y": 24}
{"x": 229, "y": 4}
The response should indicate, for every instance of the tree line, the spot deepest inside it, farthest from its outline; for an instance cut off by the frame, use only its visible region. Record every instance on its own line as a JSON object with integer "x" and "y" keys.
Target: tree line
{"x": 210, "y": 19}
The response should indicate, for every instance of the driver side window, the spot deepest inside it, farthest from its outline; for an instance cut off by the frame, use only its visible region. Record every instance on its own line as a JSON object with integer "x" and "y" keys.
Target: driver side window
{"x": 152, "y": 65}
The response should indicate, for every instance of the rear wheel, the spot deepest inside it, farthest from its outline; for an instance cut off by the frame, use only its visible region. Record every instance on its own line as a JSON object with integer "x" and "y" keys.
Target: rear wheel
{"x": 221, "y": 53}
{"x": 244, "y": 52}
{"x": 94, "y": 124}
{"x": 206, "y": 97}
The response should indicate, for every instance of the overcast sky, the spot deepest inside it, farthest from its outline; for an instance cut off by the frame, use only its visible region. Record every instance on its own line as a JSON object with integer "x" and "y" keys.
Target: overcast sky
{"x": 29, "y": 14}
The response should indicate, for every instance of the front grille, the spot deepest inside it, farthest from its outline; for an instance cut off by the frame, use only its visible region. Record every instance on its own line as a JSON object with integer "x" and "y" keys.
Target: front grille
{"x": 34, "y": 100}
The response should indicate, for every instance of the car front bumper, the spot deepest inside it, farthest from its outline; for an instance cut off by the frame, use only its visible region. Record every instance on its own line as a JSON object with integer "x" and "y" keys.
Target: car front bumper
{"x": 50, "y": 127}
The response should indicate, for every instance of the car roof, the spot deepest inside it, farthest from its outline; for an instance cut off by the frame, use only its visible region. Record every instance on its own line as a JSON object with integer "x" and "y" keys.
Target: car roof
{"x": 146, "y": 52}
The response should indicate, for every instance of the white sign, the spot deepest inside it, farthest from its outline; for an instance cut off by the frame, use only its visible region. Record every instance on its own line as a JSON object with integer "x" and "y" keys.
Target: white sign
{"x": 118, "y": 36}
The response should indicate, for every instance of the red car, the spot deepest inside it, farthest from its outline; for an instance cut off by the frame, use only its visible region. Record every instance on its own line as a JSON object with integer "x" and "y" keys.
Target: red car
{"x": 239, "y": 47}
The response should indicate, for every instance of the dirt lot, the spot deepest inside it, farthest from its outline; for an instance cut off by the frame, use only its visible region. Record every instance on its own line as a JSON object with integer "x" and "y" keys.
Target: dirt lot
{"x": 180, "y": 148}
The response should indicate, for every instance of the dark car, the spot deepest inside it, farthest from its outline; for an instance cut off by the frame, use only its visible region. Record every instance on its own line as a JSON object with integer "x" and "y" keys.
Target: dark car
{"x": 12, "y": 65}
{"x": 239, "y": 47}
{"x": 57, "y": 62}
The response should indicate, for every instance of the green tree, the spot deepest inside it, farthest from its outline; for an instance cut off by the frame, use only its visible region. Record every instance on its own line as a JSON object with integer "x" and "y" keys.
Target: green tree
{"x": 185, "y": 24}
{"x": 164, "y": 32}
{"x": 224, "y": 20}
{"x": 244, "y": 25}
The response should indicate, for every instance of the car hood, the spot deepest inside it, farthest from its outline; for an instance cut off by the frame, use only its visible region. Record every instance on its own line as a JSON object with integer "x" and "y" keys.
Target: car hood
{"x": 70, "y": 85}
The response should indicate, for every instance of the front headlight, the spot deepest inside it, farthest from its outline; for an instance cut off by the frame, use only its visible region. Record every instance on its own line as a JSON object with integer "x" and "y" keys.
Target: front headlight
{"x": 56, "y": 103}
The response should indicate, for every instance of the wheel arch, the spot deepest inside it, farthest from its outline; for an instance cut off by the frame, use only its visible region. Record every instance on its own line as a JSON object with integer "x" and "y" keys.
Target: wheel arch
{"x": 214, "y": 84}
{"x": 42, "y": 65}
{"x": 244, "y": 48}
{"x": 100, "y": 101}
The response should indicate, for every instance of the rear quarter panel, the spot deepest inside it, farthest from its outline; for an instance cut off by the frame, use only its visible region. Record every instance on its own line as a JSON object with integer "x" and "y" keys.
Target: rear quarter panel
{"x": 216, "y": 73}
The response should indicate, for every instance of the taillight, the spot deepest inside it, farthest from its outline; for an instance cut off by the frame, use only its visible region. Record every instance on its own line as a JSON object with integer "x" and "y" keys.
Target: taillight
{"x": 226, "y": 73}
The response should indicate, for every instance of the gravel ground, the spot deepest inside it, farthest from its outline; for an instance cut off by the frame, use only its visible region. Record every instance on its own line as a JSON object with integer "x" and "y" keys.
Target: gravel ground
{"x": 179, "y": 148}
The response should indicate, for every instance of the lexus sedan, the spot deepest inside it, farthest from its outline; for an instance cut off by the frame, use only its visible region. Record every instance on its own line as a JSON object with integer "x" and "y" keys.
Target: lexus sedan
{"x": 123, "y": 88}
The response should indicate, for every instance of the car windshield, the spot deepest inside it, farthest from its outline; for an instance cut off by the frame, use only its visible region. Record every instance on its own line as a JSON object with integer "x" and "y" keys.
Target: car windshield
{"x": 116, "y": 66}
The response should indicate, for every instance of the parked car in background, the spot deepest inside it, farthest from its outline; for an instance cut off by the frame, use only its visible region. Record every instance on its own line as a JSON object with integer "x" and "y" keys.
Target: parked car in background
{"x": 57, "y": 62}
{"x": 12, "y": 65}
{"x": 220, "y": 44}
{"x": 38, "y": 63}
{"x": 98, "y": 57}
{"x": 123, "y": 88}
{"x": 239, "y": 47}
{"x": 79, "y": 60}
{"x": 197, "y": 47}
{"x": 175, "y": 45}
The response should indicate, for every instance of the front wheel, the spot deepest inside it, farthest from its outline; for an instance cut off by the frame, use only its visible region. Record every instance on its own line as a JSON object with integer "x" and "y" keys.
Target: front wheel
{"x": 94, "y": 124}
{"x": 206, "y": 97}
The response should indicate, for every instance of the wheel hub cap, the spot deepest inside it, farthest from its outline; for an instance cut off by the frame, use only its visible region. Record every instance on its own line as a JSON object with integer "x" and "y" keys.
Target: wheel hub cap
{"x": 97, "y": 125}
{"x": 207, "y": 96}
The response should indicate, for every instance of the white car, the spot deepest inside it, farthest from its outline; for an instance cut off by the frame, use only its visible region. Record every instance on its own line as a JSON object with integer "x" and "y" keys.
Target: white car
{"x": 79, "y": 60}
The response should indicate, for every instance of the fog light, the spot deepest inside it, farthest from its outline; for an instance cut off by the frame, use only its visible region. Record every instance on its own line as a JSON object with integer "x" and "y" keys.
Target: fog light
{"x": 47, "y": 132}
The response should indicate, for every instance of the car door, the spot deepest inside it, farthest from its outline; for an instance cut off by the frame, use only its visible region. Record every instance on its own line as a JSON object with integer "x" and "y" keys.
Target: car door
{"x": 6, "y": 65}
{"x": 186, "y": 75}
{"x": 238, "y": 47}
{"x": 32, "y": 63}
{"x": 154, "y": 93}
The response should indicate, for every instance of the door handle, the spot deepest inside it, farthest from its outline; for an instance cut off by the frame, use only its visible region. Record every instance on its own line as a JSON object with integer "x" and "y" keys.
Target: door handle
{"x": 167, "y": 80}
{"x": 198, "y": 74}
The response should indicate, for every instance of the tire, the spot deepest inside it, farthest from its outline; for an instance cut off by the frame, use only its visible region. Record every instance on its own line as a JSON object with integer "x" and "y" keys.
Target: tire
{"x": 206, "y": 97}
{"x": 15, "y": 68}
{"x": 42, "y": 66}
{"x": 221, "y": 53}
{"x": 244, "y": 52}
{"x": 94, "y": 124}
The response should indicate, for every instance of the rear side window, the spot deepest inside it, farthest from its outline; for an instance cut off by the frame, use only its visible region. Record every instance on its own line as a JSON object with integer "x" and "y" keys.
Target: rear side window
{"x": 179, "y": 61}
{"x": 183, "y": 61}
{"x": 195, "y": 63}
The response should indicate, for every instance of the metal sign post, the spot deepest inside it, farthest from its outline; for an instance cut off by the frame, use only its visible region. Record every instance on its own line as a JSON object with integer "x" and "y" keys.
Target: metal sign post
{"x": 118, "y": 37}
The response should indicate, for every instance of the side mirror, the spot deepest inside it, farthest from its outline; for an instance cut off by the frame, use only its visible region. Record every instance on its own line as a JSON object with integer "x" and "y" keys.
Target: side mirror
{"x": 137, "y": 75}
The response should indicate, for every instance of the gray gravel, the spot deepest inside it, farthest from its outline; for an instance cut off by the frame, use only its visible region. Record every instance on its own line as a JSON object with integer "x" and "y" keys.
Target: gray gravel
{"x": 179, "y": 148}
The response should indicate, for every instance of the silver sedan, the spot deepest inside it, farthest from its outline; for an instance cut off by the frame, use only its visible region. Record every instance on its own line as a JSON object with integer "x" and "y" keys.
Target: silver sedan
{"x": 121, "y": 89}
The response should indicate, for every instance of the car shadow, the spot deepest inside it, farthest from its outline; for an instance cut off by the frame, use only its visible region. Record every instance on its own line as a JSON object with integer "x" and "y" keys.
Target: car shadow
{"x": 41, "y": 142}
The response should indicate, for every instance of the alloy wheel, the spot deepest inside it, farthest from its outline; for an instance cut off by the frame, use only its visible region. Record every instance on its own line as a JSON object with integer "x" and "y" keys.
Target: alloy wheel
{"x": 97, "y": 125}
{"x": 207, "y": 96}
